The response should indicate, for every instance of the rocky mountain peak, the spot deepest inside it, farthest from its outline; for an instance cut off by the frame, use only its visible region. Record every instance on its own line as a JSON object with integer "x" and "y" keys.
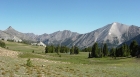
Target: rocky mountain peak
{"x": 116, "y": 24}
{"x": 10, "y": 27}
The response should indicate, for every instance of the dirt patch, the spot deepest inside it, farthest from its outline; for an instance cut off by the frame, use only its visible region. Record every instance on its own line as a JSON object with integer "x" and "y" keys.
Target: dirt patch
{"x": 10, "y": 53}
{"x": 49, "y": 61}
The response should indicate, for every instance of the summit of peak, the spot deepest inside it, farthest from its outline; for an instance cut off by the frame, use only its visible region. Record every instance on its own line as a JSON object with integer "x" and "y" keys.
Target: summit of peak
{"x": 10, "y": 28}
{"x": 115, "y": 23}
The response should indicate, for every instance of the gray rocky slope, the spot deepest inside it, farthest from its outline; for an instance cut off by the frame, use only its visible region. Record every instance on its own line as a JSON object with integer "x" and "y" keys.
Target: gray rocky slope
{"x": 137, "y": 38}
{"x": 113, "y": 34}
{"x": 24, "y": 36}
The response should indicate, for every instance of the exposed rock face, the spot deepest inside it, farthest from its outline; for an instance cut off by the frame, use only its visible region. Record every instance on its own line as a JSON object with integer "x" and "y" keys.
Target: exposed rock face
{"x": 38, "y": 44}
{"x": 4, "y": 35}
{"x": 133, "y": 31}
{"x": 113, "y": 34}
{"x": 137, "y": 38}
{"x": 24, "y": 36}
{"x": 60, "y": 37}
{"x": 16, "y": 39}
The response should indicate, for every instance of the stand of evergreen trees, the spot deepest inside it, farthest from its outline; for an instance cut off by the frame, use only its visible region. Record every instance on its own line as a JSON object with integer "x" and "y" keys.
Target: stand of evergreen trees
{"x": 74, "y": 50}
{"x": 61, "y": 49}
{"x": 132, "y": 50}
{"x": 123, "y": 51}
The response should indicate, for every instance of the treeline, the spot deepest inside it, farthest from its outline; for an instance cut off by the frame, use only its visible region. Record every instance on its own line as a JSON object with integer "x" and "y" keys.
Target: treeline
{"x": 123, "y": 51}
{"x": 62, "y": 49}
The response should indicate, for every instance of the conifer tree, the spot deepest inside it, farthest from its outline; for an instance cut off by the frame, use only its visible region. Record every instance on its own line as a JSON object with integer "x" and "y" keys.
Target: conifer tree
{"x": 89, "y": 55}
{"x": 99, "y": 52}
{"x": 76, "y": 50}
{"x": 125, "y": 50}
{"x": 46, "y": 49}
{"x": 113, "y": 52}
{"x": 128, "y": 51}
{"x": 105, "y": 50}
{"x": 133, "y": 48}
{"x": 72, "y": 50}
{"x": 52, "y": 49}
{"x": 57, "y": 49}
{"x": 67, "y": 50}
{"x": 95, "y": 50}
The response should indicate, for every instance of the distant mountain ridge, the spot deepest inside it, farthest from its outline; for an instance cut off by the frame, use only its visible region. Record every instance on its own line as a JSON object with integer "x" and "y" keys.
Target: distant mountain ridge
{"x": 24, "y": 36}
{"x": 113, "y": 34}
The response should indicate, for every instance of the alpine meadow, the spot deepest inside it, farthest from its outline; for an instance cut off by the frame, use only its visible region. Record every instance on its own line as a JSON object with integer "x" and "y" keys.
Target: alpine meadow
{"x": 69, "y": 38}
{"x": 22, "y": 57}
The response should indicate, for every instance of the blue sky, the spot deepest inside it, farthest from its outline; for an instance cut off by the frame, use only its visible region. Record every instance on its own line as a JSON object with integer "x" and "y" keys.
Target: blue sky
{"x": 82, "y": 16}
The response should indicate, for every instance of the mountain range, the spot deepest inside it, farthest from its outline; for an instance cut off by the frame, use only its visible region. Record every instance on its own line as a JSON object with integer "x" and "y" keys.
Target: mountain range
{"x": 113, "y": 34}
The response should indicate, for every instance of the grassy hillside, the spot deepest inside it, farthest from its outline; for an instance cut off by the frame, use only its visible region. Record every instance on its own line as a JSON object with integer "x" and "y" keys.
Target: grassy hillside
{"x": 62, "y": 66}
{"x": 24, "y": 47}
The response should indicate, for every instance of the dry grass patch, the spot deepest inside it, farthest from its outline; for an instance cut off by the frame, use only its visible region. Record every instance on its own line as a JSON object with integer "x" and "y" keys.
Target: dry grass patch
{"x": 9, "y": 53}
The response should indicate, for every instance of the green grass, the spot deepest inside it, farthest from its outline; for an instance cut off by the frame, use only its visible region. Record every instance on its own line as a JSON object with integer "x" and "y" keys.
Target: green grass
{"x": 77, "y": 66}
{"x": 82, "y": 59}
{"x": 24, "y": 47}
{"x": 30, "y": 55}
{"x": 16, "y": 66}
{"x": 65, "y": 57}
